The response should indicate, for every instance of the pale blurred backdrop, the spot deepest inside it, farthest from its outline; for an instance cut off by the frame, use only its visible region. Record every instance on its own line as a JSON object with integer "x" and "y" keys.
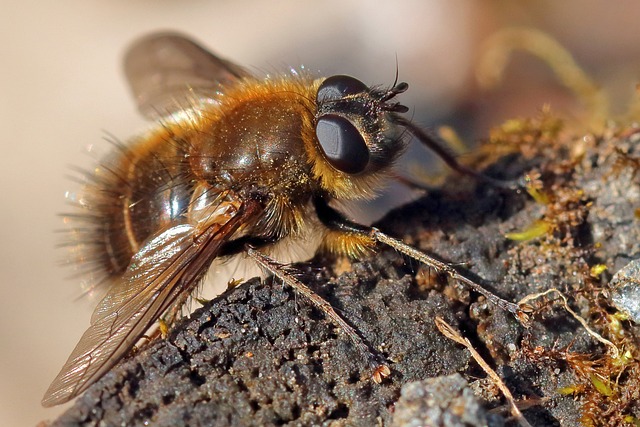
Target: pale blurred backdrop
{"x": 62, "y": 88}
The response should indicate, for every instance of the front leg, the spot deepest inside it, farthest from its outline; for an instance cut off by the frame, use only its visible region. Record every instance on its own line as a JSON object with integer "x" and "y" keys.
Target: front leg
{"x": 346, "y": 237}
{"x": 343, "y": 237}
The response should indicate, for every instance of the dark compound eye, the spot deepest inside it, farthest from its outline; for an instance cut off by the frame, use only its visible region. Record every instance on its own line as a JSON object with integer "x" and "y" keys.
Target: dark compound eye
{"x": 342, "y": 144}
{"x": 337, "y": 87}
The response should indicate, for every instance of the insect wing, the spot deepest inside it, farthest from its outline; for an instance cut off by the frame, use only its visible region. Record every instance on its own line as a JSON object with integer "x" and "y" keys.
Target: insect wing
{"x": 168, "y": 72}
{"x": 167, "y": 266}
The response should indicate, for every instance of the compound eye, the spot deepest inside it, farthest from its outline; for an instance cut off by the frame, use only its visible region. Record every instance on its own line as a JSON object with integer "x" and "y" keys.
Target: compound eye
{"x": 337, "y": 87}
{"x": 342, "y": 144}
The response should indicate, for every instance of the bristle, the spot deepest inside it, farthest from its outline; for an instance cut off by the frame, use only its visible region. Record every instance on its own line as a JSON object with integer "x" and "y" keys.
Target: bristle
{"x": 353, "y": 245}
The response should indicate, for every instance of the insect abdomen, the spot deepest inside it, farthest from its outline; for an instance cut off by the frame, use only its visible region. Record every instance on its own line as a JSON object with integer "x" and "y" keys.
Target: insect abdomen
{"x": 137, "y": 192}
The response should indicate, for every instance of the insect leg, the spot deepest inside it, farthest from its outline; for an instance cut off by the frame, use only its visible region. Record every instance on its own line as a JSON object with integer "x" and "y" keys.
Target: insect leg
{"x": 168, "y": 319}
{"x": 437, "y": 145}
{"x": 380, "y": 369}
{"x": 336, "y": 221}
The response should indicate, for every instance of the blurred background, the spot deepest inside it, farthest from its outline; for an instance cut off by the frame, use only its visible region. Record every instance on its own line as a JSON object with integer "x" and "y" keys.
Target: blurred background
{"x": 62, "y": 89}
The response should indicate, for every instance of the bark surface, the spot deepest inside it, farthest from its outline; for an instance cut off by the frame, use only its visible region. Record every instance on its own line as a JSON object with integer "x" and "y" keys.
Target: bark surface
{"x": 260, "y": 355}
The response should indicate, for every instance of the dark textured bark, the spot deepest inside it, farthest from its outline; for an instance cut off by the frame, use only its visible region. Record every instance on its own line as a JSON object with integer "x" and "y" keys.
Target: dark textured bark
{"x": 259, "y": 355}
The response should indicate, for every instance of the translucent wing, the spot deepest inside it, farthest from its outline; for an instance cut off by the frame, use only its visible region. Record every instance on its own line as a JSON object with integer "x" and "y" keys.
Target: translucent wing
{"x": 168, "y": 265}
{"x": 168, "y": 72}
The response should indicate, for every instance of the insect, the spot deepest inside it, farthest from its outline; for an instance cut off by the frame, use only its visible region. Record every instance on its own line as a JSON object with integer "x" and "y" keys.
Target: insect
{"x": 235, "y": 165}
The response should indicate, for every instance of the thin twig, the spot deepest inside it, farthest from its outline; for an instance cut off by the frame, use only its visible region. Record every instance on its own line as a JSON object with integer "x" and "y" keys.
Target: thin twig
{"x": 616, "y": 352}
{"x": 454, "y": 335}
